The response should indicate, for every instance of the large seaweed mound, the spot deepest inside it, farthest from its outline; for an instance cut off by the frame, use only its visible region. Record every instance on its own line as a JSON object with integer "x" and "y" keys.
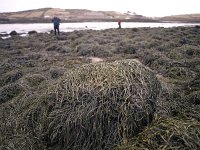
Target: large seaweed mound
{"x": 94, "y": 106}
{"x": 103, "y": 104}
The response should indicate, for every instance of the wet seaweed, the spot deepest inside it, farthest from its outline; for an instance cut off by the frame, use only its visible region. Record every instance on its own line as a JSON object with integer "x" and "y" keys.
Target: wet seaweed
{"x": 168, "y": 133}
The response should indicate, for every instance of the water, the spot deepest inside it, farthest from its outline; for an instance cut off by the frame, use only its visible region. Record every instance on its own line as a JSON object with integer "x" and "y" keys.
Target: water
{"x": 69, "y": 27}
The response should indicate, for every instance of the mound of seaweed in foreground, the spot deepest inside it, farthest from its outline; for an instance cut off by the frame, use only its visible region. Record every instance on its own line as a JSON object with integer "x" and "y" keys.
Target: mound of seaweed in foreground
{"x": 94, "y": 106}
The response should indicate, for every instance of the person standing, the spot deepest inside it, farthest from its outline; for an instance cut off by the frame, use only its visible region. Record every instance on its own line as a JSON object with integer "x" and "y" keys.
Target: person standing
{"x": 119, "y": 23}
{"x": 56, "y": 23}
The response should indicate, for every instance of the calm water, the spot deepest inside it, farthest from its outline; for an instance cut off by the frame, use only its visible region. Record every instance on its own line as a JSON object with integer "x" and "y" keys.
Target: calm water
{"x": 68, "y": 27}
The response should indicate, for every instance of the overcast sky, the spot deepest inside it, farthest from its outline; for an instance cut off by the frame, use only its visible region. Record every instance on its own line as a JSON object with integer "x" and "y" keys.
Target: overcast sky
{"x": 143, "y": 7}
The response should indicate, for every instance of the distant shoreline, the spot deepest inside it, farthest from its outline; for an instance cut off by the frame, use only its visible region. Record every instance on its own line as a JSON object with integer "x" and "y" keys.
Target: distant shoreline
{"x": 75, "y": 21}
{"x": 85, "y": 20}
{"x": 24, "y": 28}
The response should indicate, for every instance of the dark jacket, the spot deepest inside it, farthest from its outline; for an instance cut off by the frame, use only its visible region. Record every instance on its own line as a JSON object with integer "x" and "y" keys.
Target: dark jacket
{"x": 56, "y": 21}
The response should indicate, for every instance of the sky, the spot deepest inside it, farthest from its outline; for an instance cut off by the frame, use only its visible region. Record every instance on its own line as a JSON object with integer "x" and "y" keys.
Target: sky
{"x": 151, "y": 8}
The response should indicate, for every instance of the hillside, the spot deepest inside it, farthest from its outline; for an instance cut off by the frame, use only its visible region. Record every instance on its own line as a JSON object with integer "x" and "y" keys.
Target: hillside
{"x": 182, "y": 18}
{"x": 67, "y": 15}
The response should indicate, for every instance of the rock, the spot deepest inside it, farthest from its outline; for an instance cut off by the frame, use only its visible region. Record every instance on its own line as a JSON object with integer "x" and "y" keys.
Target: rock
{"x": 13, "y": 33}
{"x": 32, "y": 32}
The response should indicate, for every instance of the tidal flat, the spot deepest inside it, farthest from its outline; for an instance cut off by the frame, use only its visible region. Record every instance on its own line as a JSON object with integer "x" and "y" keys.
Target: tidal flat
{"x": 143, "y": 92}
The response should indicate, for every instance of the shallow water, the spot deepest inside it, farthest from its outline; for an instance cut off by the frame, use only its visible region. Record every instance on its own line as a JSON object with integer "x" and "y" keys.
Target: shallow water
{"x": 69, "y": 27}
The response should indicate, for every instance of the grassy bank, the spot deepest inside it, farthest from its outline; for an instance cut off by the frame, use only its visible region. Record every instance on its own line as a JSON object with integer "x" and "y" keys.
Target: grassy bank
{"x": 51, "y": 93}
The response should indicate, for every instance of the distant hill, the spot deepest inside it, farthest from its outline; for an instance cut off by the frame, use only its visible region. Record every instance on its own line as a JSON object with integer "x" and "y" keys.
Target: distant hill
{"x": 80, "y": 15}
{"x": 182, "y": 18}
{"x": 68, "y": 15}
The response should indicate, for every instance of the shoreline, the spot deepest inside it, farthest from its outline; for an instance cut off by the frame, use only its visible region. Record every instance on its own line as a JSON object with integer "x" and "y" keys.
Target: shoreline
{"x": 24, "y": 29}
{"x": 101, "y": 21}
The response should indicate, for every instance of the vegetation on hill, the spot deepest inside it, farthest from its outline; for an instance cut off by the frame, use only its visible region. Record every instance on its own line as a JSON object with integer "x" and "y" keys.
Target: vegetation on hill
{"x": 67, "y": 15}
{"x": 182, "y": 18}
{"x": 44, "y": 15}
{"x": 145, "y": 95}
